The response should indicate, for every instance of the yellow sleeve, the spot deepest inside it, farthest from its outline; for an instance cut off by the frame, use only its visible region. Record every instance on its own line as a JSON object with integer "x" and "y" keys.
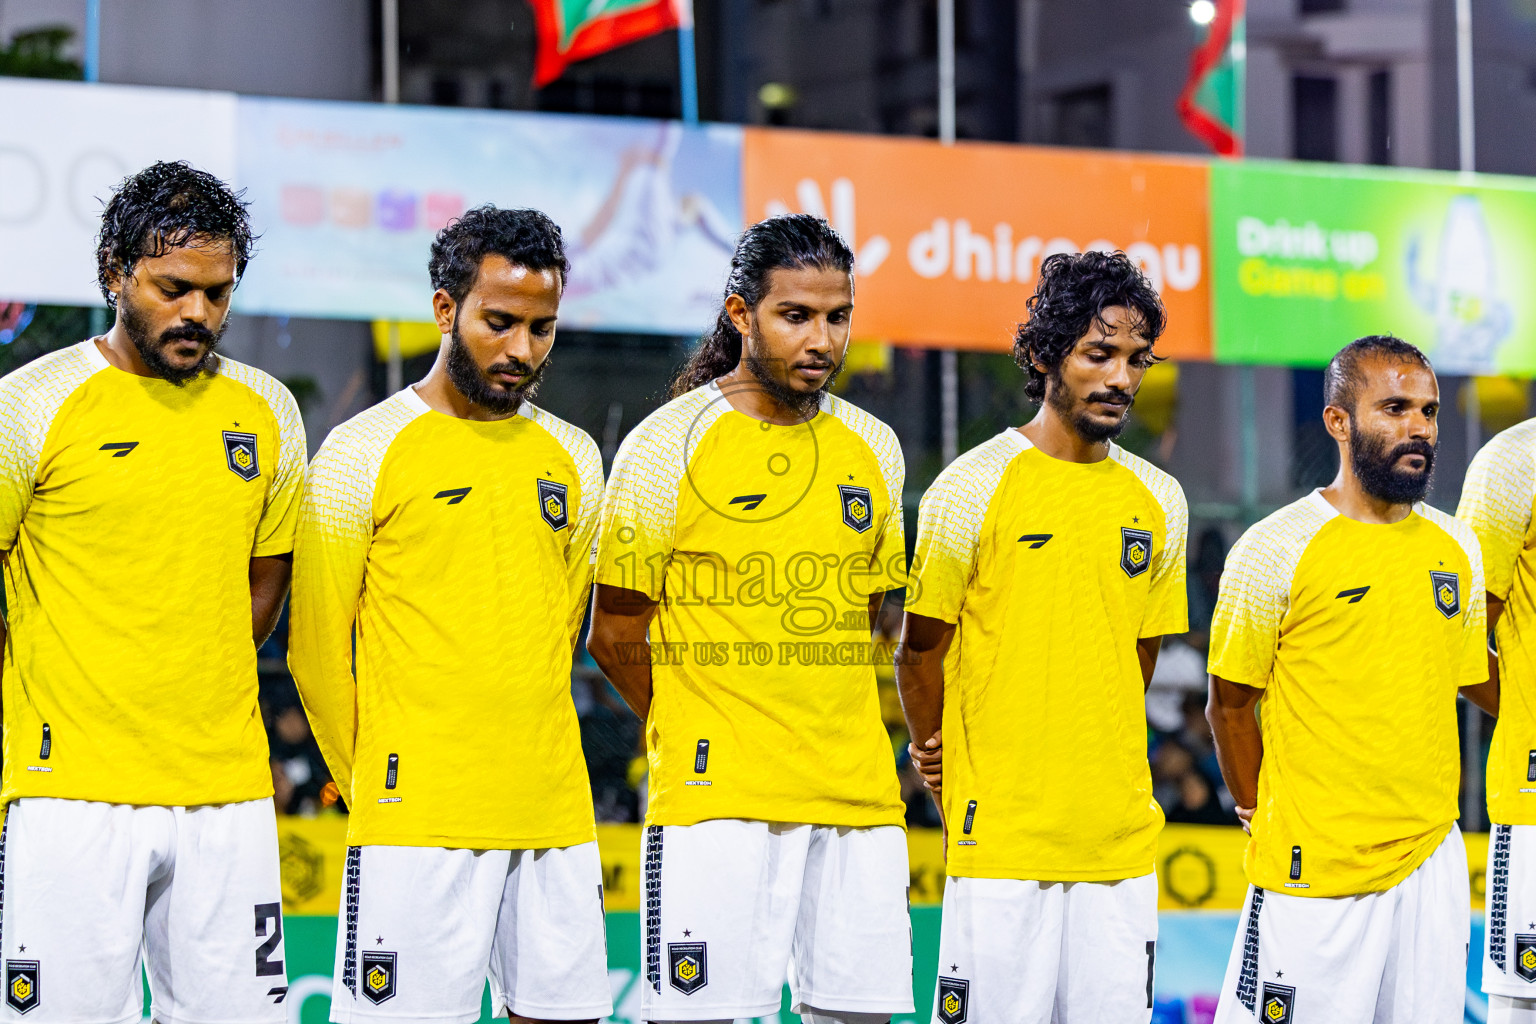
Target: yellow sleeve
{"x": 30, "y": 398}
{"x": 19, "y": 452}
{"x": 889, "y": 568}
{"x": 949, "y": 522}
{"x": 335, "y": 529}
{"x": 1168, "y": 599}
{"x": 1496, "y": 501}
{"x": 1473, "y": 664}
{"x": 1167, "y": 610}
{"x": 638, "y": 523}
{"x": 581, "y": 539}
{"x": 1255, "y": 595}
{"x": 280, "y": 518}
{"x": 285, "y": 484}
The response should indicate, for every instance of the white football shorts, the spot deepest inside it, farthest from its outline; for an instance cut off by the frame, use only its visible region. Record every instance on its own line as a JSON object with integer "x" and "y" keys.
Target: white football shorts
{"x": 733, "y": 907}
{"x": 91, "y": 892}
{"x": 1047, "y": 952}
{"x": 1393, "y": 957}
{"x": 1509, "y": 950}
{"x": 421, "y": 928}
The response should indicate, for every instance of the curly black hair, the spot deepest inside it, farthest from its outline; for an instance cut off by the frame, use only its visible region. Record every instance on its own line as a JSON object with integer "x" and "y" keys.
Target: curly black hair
{"x": 165, "y": 206}
{"x": 1344, "y": 377}
{"x": 1074, "y": 291}
{"x": 524, "y": 238}
{"x": 791, "y": 241}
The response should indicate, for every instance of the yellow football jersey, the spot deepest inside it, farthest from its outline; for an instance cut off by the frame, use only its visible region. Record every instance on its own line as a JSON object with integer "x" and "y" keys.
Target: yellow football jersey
{"x": 459, "y": 552}
{"x": 762, "y": 543}
{"x": 130, "y": 509}
{"x": 1359, "y": 634}
{"x": 1496, "y": 501}
{"x": 1051, "y": 572}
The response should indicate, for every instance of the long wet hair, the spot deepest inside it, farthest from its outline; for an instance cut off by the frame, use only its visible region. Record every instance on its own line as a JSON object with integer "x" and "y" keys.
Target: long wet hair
{"x": 793, "y": 241}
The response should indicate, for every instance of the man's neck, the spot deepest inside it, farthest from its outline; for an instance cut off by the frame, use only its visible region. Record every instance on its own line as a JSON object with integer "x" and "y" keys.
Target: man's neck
{"x": 438, "y": 392}
{"x": 746, "y": 395}
{"x": 1058, "y": 439}
{"x": 119, "y": 350}
{"x": 1353, "y": 501}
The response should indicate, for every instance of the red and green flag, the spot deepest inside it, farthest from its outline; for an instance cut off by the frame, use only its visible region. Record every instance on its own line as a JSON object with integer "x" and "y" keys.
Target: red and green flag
{"x": 572, "y": 30}
{"x": 1211, "y": 105}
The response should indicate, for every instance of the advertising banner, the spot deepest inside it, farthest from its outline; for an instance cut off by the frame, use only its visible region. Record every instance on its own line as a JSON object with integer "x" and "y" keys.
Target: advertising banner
{"x": 347, "y": 197}
{"x": 1310, "y": 257}
{"x": 949, "y": 239}
{"x": 62, "y": 148}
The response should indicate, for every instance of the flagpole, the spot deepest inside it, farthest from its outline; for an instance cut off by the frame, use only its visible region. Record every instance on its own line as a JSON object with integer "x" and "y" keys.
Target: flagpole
{"x": 389, "y": 17}
{"x": 687, "y": 64}
{"x": 949, "y": 359}
{"x": 93, "y": 40}
{"x": 1472, "y": 732}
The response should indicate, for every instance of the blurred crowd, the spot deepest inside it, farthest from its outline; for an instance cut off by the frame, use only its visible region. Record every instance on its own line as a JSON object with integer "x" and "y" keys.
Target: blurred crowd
{"x": 1185, "y": 778}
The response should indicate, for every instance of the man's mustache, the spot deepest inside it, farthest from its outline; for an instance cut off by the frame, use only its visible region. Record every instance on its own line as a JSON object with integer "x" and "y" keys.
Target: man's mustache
{"x": 1113, "y": 395}
{"x": 189, "y": 332}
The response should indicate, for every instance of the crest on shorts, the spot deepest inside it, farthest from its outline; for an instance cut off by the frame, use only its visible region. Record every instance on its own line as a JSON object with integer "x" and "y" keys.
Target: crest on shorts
{"x": 552, "y": 504}
{"x": 858, "y": 510}
{"x": 687, "y": 966}
{"x": 1447, "y": 592}
{"x": 240, "y": 452}
{"x": 954, "y": 1000}
{"x": 1135, "y": 551}
{"x": 21, "y": 982}
{"x": 1525, "y": 957}
{"x": 378, "y": 976}
{"x": 1276, "y": 1006}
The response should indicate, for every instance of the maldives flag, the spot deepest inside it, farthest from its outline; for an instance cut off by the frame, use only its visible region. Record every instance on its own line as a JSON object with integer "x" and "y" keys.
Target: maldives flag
{"x": 1211, "y": 105}
{"x": 572, "y": 30}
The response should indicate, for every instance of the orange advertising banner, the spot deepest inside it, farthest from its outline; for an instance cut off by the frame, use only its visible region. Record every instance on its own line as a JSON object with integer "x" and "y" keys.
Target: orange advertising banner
{"x": 949, "y": 239}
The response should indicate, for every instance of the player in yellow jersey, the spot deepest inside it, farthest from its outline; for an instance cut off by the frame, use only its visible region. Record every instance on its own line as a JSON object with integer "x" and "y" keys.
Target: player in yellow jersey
{"x": 750, "y": 530}
{"x": 1496, "y": 501}
{"x": 149, "y": 489}
{"x": 450, "y": 529}
{"x": 1049, "y": 565}
{"x": 1346, "y": 624}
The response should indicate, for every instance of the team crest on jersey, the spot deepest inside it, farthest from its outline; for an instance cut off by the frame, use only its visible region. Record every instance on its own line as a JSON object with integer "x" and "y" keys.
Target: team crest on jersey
{"x": 552, "y": 504}
{"x": 1447, "y": 592}
{"x": 240, "y": 451}
{"x": 1135, "y": 551}
{"x": 858, "y": 510}
{"x": 688, "y": 966}
{"x": 1525, "y": 957}
{"x": 954, "y": 1000}
{"x": 21, "y": 985}
{"x": 1276, "y": 1006}
{"x": 378, "y": 976}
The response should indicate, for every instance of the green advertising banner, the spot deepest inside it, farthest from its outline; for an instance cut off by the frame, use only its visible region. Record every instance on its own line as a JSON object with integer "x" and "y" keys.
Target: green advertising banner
{"x": 1307, "y": 257}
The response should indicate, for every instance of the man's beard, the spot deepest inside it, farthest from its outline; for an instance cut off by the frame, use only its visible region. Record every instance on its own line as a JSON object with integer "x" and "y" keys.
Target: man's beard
{"x": 1085, "y": 426}
{"x": 152, "y": 350}
{"x": 1376, "y": 467}
{"x": 471, "y": 381}
{"x": 801, "y": 403}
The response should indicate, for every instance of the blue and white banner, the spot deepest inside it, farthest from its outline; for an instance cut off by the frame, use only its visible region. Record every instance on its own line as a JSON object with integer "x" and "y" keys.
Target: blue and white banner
{"x": 347, "y": 197}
